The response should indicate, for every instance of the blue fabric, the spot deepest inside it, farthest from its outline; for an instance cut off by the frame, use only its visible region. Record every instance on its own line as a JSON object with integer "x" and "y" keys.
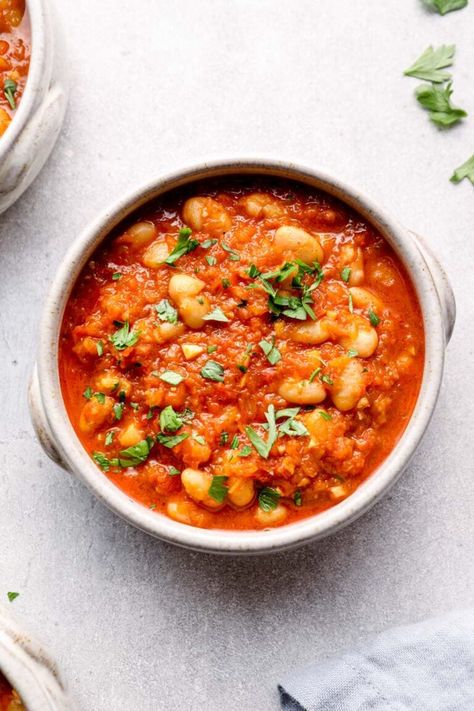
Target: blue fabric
{"x": 428, "y": 666}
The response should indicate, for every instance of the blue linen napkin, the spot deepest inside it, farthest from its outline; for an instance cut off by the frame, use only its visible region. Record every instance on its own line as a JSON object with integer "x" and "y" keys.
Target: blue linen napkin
{"x": 427, "y": 666}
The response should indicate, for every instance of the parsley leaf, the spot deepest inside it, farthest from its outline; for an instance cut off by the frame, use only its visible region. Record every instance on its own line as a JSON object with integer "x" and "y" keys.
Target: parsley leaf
{"x": 170, "y": 377}
{"x": 233, "y": 255}
{"x": 431, "y": 62}
{"x": 211, "y": 349}
{"x": 216, "y": 315}
{"x": 208, "y": 243}
{"x": 118, "y": 410}
{"x": 109, "y": 438}
{"x": 100, "y": 397}
{"x": 218, "y": 490}
{"x": 184, "y": 245}
{"x": 346, "y": 274}
{"x": 170, "y": 420}
{"x": 262, "y": 447}
{"x": 171, "y": 441}
{"x": 373, "y": 318}
{"x": 211, "y": 260}
{"x": 166, "y": 312}
{"x": 9, "y": 89}
{"x": 444, "y": 6}
{"x": 224, "y": 438}
{"x": 246, "y": 451}
{"x": 466, "y": 170}
{"x": 437, "y": 100}
{"x": 325, "y": 415}
{"x": 213, "y": 371}
{"x": 116, "y": 276}
{"x": 100, "y": 348}
{"x": 235, "y": 442}
{"x": 88, "y": 392}
{"x": 172, "y": 471}
{"x": 225, "y": 283}
{"x": 123, "y": 339}
{"x": 271, "y": 351}
{"x": 268, "y": 499}
{"x": 137, "y": 454}
{"x": 12, "y": 595}
{"x": 103, "y": 462}
{"x": 297, "y": 498}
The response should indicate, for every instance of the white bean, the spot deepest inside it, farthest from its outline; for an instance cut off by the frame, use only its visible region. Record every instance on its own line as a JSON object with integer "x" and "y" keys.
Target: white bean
{"x": 298, "y": 243}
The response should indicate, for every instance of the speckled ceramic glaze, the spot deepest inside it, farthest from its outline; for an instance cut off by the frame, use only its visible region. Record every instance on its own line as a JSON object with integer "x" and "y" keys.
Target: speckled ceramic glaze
{"x": 29, "y": 669}
{"x": 29, "y": 139}
{"x": 63, "y": 446}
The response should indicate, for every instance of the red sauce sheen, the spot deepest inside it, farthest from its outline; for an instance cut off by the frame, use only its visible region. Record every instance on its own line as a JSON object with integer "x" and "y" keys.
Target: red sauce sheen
{"x": 14, "y": 57}
{"x": 9, "y": 699}
{"x": 257, "y": 377}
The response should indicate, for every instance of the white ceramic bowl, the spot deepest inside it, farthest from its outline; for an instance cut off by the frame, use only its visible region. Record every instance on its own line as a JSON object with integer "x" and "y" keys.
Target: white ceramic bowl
{"x": 29, "y": 139}
{"x": 63, "y": 446}
{"x": 29, "y": 669}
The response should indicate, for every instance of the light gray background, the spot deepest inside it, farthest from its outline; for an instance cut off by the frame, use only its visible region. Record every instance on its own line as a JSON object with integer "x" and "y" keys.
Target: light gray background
{"x": 136, "y": 624}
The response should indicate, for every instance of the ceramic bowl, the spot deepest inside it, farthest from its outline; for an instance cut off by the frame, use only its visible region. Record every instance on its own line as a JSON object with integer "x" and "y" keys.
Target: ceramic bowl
{"x": 63, "y": 446}
{"x": 26, "y": 144}
{"x": 29, "y": 669}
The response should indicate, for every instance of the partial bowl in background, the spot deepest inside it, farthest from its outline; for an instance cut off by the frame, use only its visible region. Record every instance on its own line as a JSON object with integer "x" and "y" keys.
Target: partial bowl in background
{"x": 29, "y": 669}
{"x": 59, "y": 440}
{"x": 28, "y": 141}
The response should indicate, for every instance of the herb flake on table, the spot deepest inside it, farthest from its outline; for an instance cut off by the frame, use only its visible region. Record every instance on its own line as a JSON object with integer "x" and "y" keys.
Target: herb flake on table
{"x": 442, "y": 7}
{"x": 437, "y": 100}
{"x": 12, "y": 596}
{"x": 466, "y": 170}
{"x": 429, "y": 66}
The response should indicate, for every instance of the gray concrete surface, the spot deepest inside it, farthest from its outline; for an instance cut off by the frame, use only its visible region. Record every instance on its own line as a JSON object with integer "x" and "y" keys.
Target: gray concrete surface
{"x": 136, "y": 624}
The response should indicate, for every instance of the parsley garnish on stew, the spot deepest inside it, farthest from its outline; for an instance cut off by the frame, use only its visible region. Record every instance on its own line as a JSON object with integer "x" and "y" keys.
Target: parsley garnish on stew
{"x": 132, "y": 456}
{"x": 218, "y": 490}
{"x": 271, "y": 351}
{"x": 9, "y": 89}
{"x": 170, "y": 377}
{"x": 264, "y": 447}
{"x": 268, "y": 498}
{"x": 213, "y": 371}
{"x": 373, "y": 318}
{"x": 166, "y": 312}
{"x": 431, "y": 63}
{"x": 170, "y": 421}
{"x": 123, "y": 339}
{"x": 184, "y": 245}
{"x": 171, "y": 441}
{"x": 216, "y": 315}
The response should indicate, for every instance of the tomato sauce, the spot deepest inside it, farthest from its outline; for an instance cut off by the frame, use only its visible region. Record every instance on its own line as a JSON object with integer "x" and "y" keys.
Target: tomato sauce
{"x": 14, "y": 57}
{"x": 241, "y": 353}
{"x": 9, "y": 699}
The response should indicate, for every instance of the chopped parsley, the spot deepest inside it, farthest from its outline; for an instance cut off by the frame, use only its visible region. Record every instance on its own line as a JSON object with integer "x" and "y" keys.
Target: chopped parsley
{"x": 88, "y": 393}
{"x": 246, "y": 451}
{"x": 346, "y": 274}
{"x": 213, "y": 371}
{"x": 208, "y": 243}
{"x": 116, "y": 276}
{"x": 100, "y": 348}
{"x": 212, "y": 261}
{"x": 218, "y": 489}
{"x": 171, "y": 441}
{"x": 216, "y": 315}
{"x": 264, "y": 447}
{"x": 137, "y": 454}
{"x": 172, "y": 471}
{"x": 325, "y": 415}
{"x": 184, "y": 245}
{"x": 466, "y": 170}
{"x": 314, "y": 374}
{"x": 297, "y": 498}
{"x": 430, "y": 64}
{"x": 373, "y": 318}
{"x": 170, "y": 420}
{"x": 253, "y": 271}
{"x": 224, "y": 438}
{"x": 9, "y": 89}
{"x": 268, "y": 499}
{"x": 123, "y": 339}
{"x": 225, "y": 283}
{"x": 233, "y": 255}
{"x": 100, "y": 397}
{"x": 166, "y": 312}
{"x": 437, "y": 100}
{"x": 12, "y": 596}
{"x": 171, "y": 377}
{"x": 211, "y": 349}
{"x": 109, "y": 438}
{"x": 271, "y": 351}
{"x": 235, "y": 442}
{"x": 118, "y": 410}
{"x": 199, "y": 439}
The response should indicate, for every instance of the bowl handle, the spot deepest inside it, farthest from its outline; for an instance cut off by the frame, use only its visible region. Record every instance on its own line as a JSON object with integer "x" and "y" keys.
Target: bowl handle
{"x": 441, "y": 283}
{"x": 40, "y": 422}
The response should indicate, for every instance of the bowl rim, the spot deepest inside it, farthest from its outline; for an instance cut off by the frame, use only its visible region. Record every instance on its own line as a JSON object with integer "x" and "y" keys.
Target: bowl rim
{"x": 218, "y": 540}
{"x": 39, "y": 20}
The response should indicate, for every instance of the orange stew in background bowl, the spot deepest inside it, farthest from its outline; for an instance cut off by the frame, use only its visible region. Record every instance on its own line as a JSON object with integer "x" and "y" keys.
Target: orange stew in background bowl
{"x": 14, "y": 57}
{"x": 9, "y": 699}
{"x": 241, "y": 354}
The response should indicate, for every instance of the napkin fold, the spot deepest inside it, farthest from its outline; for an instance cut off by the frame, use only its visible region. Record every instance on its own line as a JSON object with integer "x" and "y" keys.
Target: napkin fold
{"x": 427, "y": 666}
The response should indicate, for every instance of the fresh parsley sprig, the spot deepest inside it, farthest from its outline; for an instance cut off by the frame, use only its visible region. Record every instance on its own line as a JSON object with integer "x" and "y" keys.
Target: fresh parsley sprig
{"x": 437, "y": 100}
{"x": 429, "y": 66}
{"x": 466, "y": 170}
